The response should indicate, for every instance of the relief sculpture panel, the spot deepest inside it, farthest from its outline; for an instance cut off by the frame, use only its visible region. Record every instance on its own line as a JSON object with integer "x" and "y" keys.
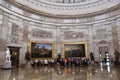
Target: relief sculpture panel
{"x": 14, "y": 33}
{"x": 101, "y": 34}
{"x": 41, "y": 33}
{"x": 73, "y": 35}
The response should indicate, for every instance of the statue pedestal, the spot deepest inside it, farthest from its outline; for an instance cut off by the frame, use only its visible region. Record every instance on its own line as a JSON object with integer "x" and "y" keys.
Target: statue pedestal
{"x": 7, "y": 65}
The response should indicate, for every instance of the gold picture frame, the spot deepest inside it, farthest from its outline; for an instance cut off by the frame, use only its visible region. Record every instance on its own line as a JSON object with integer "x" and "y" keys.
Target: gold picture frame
{"x": 75, "y": 49}
{"x": 41, "y": 50}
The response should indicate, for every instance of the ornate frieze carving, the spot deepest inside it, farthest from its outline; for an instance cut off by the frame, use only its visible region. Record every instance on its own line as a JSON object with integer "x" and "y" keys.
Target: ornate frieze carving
{"x": 14, "y": 33}
{"x": 73, "y": 35}
{"x": 101, "y": 34}
{"x": 41, "y": 33}
{"x": 67, "y": 1}
{"x": 6, "y": 4}
{"x": 67, "y": 9}
{"x": 62, "y": 21}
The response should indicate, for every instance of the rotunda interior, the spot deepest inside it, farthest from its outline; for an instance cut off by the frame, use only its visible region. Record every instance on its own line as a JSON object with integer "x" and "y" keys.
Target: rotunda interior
{"x": 50, "y": 30}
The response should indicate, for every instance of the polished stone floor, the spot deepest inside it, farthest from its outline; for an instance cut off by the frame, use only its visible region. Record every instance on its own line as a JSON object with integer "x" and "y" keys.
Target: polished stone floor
{"x": 61, "y": 73}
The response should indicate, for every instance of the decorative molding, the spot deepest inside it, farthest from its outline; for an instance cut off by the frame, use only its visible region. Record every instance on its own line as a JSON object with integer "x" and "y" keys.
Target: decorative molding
{"x": 63, "y": 21}
{"x": 73, "y": 35}
{"x": 67, "y": 1}
{"x": 103, "y": 42}
{"x": 61, "y": 10}
{"x": 102, "y": 34}
{"x": 41, "y": 34}
{"x": 14, "y": 33}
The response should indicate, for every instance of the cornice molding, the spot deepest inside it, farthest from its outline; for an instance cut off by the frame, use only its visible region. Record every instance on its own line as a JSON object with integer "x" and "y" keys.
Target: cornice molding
{"x": 66, "y": 2}
{"x": 67, "y": 14}
{"x": 82, "y": 21}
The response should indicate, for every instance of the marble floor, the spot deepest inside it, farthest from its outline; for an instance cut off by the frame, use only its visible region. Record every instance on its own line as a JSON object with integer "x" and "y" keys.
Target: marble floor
{"x": 61, "y": 73}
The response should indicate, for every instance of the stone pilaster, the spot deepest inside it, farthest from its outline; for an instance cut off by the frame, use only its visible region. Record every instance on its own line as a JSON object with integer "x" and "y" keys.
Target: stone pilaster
{"x": 3, "y": 33}
{"x": 114, "y": 35}
{"x": 25, "y": 40}
{"x": 3, "y": 38}
{"x": 58, "y": 40}
{"x": 25, "y": 46}
{"x": 25, "y": 32}
{"x": 91, "y": 45}
{"x": 118, "y": 30}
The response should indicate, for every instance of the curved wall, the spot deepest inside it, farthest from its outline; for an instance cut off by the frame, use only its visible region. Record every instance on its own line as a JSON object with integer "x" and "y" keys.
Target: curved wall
{"x": 96, "y": 31}
{"x": 67, "y": 10}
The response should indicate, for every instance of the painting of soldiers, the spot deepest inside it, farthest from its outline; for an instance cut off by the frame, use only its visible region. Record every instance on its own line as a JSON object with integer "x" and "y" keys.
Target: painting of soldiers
{"x": 75, "y": 50}
{"x": 41, "y": 50}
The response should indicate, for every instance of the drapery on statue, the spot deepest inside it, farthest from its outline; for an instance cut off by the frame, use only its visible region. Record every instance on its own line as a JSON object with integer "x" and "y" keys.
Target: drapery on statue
{"x": 7, "y": 55}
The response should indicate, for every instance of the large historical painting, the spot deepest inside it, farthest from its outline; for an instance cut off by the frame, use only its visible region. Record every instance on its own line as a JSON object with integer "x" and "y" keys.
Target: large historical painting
{"x": 75, "y": 50}
{"x": 41, "y": 50}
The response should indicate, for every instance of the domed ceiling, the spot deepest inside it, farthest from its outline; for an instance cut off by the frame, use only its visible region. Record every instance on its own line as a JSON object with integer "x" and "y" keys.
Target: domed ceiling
{"x": 67, "y": 8}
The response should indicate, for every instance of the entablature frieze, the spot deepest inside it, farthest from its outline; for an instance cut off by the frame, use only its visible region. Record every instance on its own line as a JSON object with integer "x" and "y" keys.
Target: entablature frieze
{"x": 53, "y": 10}
{"x": 39, "y": 19}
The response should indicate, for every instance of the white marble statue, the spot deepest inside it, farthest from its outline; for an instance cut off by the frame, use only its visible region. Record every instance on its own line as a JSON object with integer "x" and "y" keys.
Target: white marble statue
{"x": 7, "y": 55}
{"x": 7, "y": 64}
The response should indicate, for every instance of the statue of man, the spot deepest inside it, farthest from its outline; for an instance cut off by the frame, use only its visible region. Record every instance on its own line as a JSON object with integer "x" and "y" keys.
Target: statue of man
{"x": 91, "y": 56}
{"x": 116, "y": 53}
{"x": 8, "y": 54}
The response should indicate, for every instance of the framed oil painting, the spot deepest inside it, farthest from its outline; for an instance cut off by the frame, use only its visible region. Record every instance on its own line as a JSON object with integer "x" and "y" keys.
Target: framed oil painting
{"x": 78, "y": 49}
{"x": 41, "y": 50}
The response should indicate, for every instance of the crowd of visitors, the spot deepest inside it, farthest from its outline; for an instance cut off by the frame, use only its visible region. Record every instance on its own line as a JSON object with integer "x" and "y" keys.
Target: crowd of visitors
{"x": 62, "y": 62}
{"x": 74, "y": 61}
